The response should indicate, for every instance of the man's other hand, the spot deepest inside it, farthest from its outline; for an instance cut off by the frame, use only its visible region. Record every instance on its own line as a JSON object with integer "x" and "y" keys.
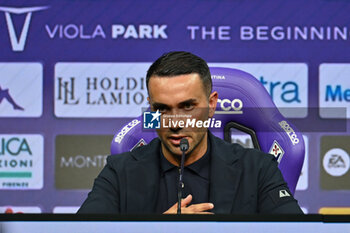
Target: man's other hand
{"x": 186, "y": 208}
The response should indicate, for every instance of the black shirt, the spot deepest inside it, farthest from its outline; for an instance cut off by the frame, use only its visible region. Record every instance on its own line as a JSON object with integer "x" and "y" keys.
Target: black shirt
{"x": 195, "y": 178}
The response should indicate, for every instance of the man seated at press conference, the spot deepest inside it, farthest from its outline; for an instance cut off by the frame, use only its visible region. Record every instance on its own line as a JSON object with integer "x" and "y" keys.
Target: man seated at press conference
{"x": 218, "y": 178}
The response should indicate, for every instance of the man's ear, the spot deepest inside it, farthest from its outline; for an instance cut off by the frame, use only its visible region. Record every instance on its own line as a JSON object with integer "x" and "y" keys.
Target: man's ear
{"x": 213, "y": 99}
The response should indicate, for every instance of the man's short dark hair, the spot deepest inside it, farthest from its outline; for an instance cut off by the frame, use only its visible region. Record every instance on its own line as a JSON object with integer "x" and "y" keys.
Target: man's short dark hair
{"x": 179, "y": 63}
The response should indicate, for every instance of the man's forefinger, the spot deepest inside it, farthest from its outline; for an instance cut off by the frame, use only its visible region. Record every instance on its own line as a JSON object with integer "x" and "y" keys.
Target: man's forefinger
{"x": 201, "y": 207}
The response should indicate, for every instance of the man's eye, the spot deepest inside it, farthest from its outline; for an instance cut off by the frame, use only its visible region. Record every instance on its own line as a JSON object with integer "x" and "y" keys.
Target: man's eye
{"x": 188, "y": 106}
{"x": 161, "y": 109}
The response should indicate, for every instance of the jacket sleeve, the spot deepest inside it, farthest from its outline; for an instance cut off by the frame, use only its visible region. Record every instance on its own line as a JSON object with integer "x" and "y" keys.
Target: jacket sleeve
{"x": 274, "y": 194}
{"x": 104, "y": 196}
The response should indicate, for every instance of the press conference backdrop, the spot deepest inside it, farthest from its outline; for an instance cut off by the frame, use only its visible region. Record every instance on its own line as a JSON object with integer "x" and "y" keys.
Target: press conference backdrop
{"x": 73, "y": 72}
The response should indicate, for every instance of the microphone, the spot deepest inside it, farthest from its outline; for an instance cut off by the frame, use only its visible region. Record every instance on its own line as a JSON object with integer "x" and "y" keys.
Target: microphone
{"x": 183, "y": 147}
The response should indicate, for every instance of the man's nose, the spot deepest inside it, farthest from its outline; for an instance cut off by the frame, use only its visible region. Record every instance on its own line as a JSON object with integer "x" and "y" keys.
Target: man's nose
{"x": 175, "y": 129}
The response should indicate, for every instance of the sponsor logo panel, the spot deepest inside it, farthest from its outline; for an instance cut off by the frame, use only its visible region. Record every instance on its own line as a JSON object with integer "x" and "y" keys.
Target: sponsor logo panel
{"x": 287, "y": 84}
{"x": 303, "y": 182}
{"x": 334, "y": 210}
{"x": 334, "y": 94}
{"x": 20, "y": 209}
{"x": 21, "y": 161}
{"x": 335, "y": 162}
{"x": 100, "y": 89}
{"x": 65, "y": 209}
{"x": 21, "y": 89}
{"x": 79, "y": 159}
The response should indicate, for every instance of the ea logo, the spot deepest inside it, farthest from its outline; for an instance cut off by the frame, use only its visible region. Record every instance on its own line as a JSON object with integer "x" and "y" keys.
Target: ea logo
{"x": 230, "y": 106}
{"x": 336, "y": 162}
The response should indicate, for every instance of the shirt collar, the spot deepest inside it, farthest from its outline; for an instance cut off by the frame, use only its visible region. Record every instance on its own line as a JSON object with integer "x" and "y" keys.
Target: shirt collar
{"x": 200, "y": 167}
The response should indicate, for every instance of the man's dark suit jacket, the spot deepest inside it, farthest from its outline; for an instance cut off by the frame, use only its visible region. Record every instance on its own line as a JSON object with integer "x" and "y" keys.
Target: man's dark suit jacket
{"x": 242, "y": 181}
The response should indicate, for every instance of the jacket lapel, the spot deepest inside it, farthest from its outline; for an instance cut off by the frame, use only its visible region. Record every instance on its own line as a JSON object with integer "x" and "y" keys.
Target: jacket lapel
{"x": 142, "y": 179}
{"x": 224, "y": 176}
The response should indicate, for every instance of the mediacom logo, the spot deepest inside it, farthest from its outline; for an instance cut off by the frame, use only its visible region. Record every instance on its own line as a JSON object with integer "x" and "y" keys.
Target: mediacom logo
{"x": 335, "y": 165}
{"x": 77, "y": 166}
{"x": 287, "y": 84}
{"x": 21, "y": 161}
{"x": 21, "y": 89}
{"x": 100, "y": 89}
{"x": 334, "y": 93}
